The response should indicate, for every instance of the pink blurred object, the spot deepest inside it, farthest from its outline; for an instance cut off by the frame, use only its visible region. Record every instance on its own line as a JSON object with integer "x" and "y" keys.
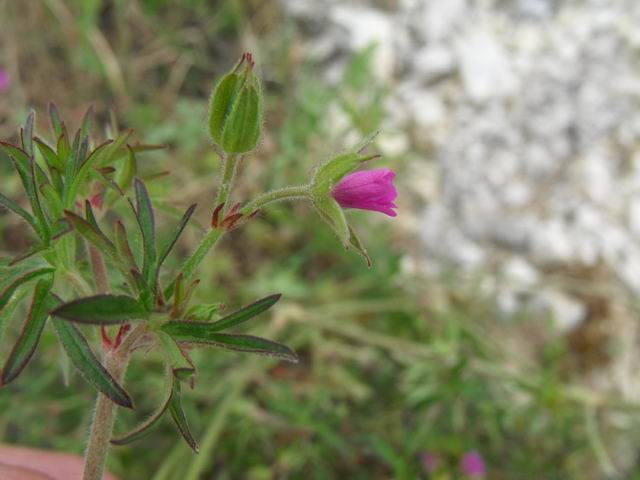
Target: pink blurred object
{"x": 368, "y": 190}
{"x": 21, "y": 463}
{"x": 5, "y": 81}
{"x": 472, "y": 465}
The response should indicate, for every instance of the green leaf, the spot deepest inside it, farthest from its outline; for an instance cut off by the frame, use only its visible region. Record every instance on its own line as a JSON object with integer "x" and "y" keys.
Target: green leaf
{"x": 358, "y": 246}
{"x": 201, "y": 333}
{"x": 83, "y": 171}
{"x": 56, "y": 122}
{"x": 29, "y": 252}
{"x": 88, "y": 365}
{"x": 6, "y": 314}
{"x": 15, "y": 208}
{"x": 5, "y": 296}
{"x": 27, "y": 171}
{"x": 60, "y": 227}
{"x": 129, "y": 169}
{"x": 123, "y": 249}
{"x": 27, "y": 133}
{"x": 102, "y": 310}
{"x": 87, "y": 122}
{"x": 144, "y": 211}
{"x": 52, "y": 200}
{"x": 31, "y": 331}
{"x": 91, "y": 234}
{"x": 331, "y": 212}
{"x": 245, "y": 313}
{"x": 166, "y": 248}
{"x": 180, "y": 363}
{"x": 147, "y": 426}
{"x": 23, "y": 162}
{"x": 177, "y": 413}
{"x": 63, "y": 148}
{"x": 49, "y": 155}
{"x": 91, "y": 218}
{"x": 117, "y": 144}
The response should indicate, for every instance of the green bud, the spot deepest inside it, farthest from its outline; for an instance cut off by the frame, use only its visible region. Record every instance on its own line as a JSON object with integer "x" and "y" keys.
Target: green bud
{"x": 327, "y": 174}
{"x": 235, "y": 119}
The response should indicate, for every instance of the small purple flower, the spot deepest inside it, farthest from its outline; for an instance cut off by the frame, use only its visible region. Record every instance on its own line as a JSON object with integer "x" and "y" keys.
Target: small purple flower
{"x": 368, "y": 190}
{"x": 430, "y": 461}
{"x": 5, "y": 81}
{"x": 472, "y": 464}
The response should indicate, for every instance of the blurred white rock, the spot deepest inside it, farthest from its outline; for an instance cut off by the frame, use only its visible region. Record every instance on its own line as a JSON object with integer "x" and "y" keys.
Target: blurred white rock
{"x": 366, "y": 27}
{"x": 566, "y": 312}
{"x": 434, "y": 61}
{"x": 485, "y": 66}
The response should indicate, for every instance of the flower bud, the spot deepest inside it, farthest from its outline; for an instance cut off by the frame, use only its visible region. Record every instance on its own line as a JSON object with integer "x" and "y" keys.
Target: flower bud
{"x": 235, "y": 118}
{"x": 328, "y": 174}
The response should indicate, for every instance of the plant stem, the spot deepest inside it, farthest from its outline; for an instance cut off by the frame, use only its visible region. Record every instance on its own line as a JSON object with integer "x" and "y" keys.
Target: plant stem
{"x": 190, "y": 266}
{"x": 229, "y": 166}
{"x": 287, "y": 193}
{"x": 105, "y": 413}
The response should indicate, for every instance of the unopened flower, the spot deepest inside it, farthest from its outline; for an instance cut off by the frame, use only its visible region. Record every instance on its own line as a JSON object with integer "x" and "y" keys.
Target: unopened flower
{"x": 235, "y": 118}
{"x": 368, "y": 190}
{"x": 5, "y": 81}
{"x": 472, "y": 465}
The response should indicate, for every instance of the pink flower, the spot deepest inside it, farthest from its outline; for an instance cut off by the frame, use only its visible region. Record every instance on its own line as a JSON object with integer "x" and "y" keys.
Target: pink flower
{"x": 368, "y": 190}
{"x": 472, "y": 464}
{"x": 5, "y": 82}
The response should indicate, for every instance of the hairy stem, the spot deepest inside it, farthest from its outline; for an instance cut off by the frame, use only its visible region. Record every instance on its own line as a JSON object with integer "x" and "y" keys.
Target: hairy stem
{"x": 105, "y": 413}
{"x": 287, "y": 193}
{"x": 229, "y": 166}
{"x": 192, "y": 263}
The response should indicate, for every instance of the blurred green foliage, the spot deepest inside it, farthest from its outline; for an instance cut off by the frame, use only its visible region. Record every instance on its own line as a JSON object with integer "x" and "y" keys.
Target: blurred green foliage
{"x": 389, "y": 369}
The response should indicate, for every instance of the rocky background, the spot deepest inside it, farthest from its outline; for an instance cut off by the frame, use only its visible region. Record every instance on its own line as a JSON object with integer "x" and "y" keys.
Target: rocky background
{"x": 519, "y": 125}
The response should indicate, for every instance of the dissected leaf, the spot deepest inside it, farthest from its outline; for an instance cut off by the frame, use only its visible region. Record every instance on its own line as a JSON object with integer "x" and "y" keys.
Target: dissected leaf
{"x": 102, "y": 310}
{"x": 29, "y": 252}
{"x": 178, "y": 360}
{"x": 144, "y": 211}
{"x": 91, "y": 234}
{"x": 52, "y": 200}
{"x": 245, "y": 313}
{"x": 87, "y": 122}
{"x": 6, "y": 314}
{"x": 88, "y": 365}
{"x": 201, "y": 333}
{"x": 177, "y": 413}
{"x": 82, "y": 172}
{"x": 15, "y": 208}
{"x": 123, "y": 249}
{"x": 146, "y": 426}
{"x": 31, "y": 331}
{"x": 5, "y": 296}
{"x": 166, "y": 248}
{"x": 27, "y": 133}
{"x": 56, "y": 122}
{"x": 27, "y": 174}
{"x": 49, "y": 155}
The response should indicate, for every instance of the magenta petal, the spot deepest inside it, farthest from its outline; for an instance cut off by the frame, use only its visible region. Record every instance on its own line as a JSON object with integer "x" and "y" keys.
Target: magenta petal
{"x": 472, "y": 464}
{"x": 5, "y": 81}
{"x": 368, "y": 190}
